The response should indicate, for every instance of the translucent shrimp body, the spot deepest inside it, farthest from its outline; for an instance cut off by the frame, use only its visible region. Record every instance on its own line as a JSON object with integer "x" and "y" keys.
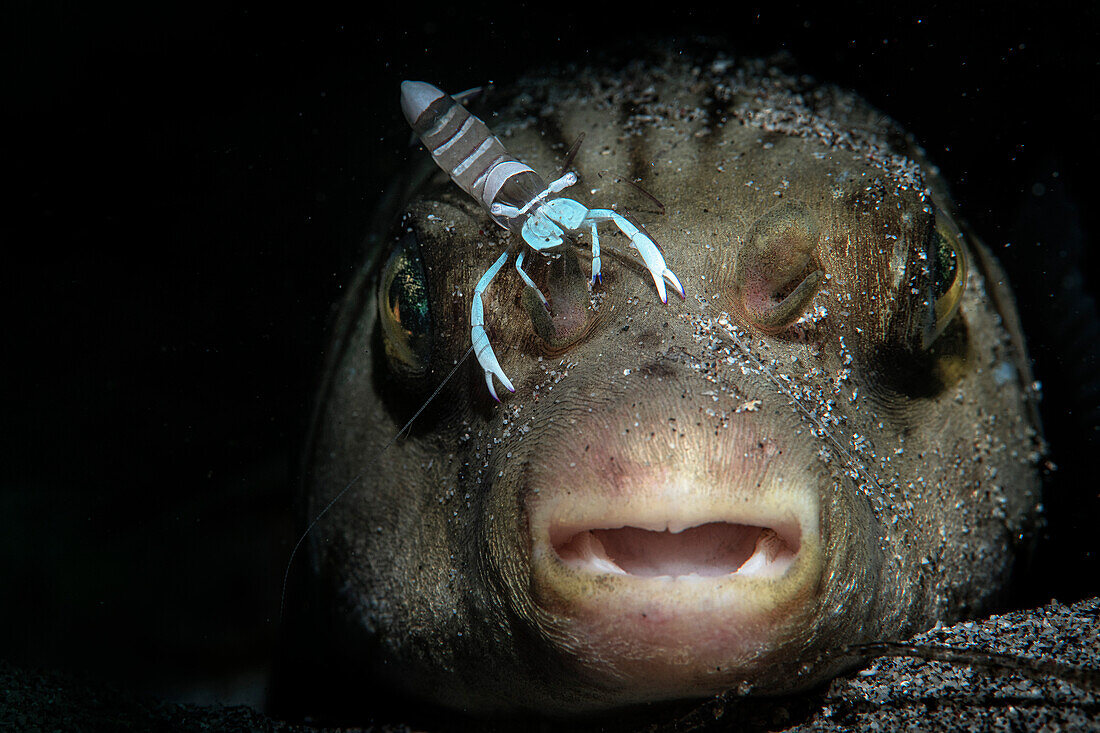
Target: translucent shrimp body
{"x": 517, "y": 198}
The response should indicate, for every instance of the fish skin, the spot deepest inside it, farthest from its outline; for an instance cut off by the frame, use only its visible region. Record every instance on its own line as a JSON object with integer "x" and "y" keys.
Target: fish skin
{"x": 429, "y": 559}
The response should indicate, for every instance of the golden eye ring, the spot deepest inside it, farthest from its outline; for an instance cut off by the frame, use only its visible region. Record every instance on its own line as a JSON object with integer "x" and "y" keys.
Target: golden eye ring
{"x": 404, "y": 311}
{"x": 949, "y": 271}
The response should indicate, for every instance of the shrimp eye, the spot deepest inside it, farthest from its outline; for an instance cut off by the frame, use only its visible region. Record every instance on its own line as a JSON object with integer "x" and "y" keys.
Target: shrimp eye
{"x": 946, "y": 256}
{"x": 776, "y": 273}
{"x": 404, "y": 312}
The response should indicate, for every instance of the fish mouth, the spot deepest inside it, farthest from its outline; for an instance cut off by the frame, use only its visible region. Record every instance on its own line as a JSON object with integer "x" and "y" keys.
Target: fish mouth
{"x": 671, "y": 583}
{"x": 673, "y": 550}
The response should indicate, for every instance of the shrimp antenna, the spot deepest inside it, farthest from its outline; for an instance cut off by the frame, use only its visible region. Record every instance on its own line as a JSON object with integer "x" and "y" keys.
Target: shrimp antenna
{"x": 638, "y": 187}
{"x": 468, "y": 95}
{"x": 350, "y": 484}
{"x": 573, "y": 150}
{"x": 647, "y": 194}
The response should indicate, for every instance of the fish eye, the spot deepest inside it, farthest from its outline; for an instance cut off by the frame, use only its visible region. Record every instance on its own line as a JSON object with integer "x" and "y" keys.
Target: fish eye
{"x": 403, "y": 309}
{"x": 947, "y": 267}
{"x": 776, "y": 274}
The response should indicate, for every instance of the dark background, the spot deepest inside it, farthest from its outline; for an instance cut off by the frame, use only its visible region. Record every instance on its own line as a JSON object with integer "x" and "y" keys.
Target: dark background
{"x": 192, "y": 189}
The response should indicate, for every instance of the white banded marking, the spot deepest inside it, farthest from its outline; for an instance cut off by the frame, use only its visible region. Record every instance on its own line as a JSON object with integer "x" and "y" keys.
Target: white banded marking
{"x": 498, "y": 176}
{"x": 472, "y": 158}
{"x": 441, "y": 122}
{"x": 442, "y": 148}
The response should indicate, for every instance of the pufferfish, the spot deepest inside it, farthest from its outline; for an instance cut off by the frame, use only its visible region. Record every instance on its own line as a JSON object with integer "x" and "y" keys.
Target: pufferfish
{"x": 833, "y": 439}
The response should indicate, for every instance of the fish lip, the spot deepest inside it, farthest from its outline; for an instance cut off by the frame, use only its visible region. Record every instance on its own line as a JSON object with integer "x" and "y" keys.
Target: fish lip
{"x": 636, "y": 540}
{"x": 613, "y": 490}
{"x": 651, "y": 636}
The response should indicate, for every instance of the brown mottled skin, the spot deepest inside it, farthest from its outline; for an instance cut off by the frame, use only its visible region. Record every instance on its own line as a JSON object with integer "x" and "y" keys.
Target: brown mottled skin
{"x": 925, "y": 484}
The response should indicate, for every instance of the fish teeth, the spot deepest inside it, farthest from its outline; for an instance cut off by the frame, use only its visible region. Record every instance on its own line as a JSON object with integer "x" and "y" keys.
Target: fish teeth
{"x": 675, "y": 527}
{"x": 592, "y": 552}
{"x": 771, "y": 556}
